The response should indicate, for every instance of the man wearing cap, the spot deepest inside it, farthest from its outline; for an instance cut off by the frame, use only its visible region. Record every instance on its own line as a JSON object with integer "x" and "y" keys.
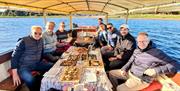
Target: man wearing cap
{"x": 123, "y": 50}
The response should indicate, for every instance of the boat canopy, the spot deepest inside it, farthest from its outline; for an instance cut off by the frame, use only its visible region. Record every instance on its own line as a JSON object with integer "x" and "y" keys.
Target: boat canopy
{"x": 110, "y": 7}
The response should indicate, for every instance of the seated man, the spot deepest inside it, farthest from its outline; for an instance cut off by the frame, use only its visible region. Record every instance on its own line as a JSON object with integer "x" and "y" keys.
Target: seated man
{"x": 112, "y": 35}
{"x": 108, "y": 50}
{"x": 62, "y": 35}
{"x": 100, "y": 21}
{"x": 124, "y": 49}
{"x": 102, "y": 36}
{"x": 145, "y": 64}
{"x": 26, "y": 58}
{"x": 50, "y": 43}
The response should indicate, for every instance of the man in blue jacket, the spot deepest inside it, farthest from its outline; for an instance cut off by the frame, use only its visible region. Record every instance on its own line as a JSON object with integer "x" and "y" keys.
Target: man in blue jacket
{"x": 26, "y": 58}
{"x": 145, "y": 64}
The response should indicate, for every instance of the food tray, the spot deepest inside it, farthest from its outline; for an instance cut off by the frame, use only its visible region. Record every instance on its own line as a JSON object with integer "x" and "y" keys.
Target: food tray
{"x": 93, "y": 63}
{"x": 71, "y": 74}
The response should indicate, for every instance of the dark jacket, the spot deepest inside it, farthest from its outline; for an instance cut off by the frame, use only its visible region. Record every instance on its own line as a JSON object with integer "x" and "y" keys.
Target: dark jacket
{"x": 125, "y": 46}
{"x": 104, "y": 26}
{"x": 112, "y": 37}
{"x": 27, "y": 52}
{"x": 150, "y": 58}
{"x": 61, "y": 35}
{"x": 102, "y": 38}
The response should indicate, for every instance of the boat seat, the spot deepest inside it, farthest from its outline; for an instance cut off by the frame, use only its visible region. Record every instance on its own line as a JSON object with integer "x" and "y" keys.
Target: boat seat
{"x": 154, "y": 86}
{"x": 164, "y": 83}
{"x": 7, "y": 84}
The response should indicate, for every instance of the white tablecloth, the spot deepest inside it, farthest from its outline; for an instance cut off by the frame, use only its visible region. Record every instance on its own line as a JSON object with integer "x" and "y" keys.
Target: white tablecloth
{"x": 101, "y": 82}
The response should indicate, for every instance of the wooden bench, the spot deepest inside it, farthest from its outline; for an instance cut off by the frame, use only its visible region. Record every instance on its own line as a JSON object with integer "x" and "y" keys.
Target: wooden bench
{"x": 7, "y": 83}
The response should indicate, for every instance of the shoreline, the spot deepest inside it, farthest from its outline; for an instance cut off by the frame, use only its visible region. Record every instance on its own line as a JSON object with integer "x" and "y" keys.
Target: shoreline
{"x": 131, "y": 17}
{"x": 155, "y": 19}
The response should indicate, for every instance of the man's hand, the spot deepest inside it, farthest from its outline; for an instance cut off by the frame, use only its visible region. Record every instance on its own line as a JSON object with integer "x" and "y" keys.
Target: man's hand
{"x": 123, "y": 73}
{"x": 119, "y": 56}
{"x": 112, "y": 58}
{"x": 109, "y": 47}
{"x": 150, "y": 72}
{"x": 16, "y": 79}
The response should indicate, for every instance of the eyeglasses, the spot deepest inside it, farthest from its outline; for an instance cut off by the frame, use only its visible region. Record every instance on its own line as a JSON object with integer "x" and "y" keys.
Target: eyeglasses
{"x": 37, "y": 33}
{"x": 142, "y": 41}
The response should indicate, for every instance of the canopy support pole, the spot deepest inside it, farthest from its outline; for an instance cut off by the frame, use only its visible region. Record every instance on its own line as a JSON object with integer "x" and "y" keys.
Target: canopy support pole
{"x": 127, "y": 14}
{"x": 70, "y": 21}
{"x": 106, "y": 18}
{"x": 44, "y": 17}
{"x": 156, "y": 10}
{"x": 8, "y": 9}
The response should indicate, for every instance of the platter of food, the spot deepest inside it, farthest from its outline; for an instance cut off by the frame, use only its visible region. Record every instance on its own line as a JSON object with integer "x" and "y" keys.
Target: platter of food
{"x": 93, "y": 63}
{"x": 71, "y": 74}
{"x": 68, "y": 63}
{"x": 81, "y": 49}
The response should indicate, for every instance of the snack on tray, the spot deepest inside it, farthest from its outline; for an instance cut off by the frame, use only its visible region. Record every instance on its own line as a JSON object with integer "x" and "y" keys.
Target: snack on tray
{"x": 84, "y": 57}
{"x": 68, "y": 63}
{"x": 93, "y": 63}
{"x": 81, "y": 50}
{"x": 92, "y": 56}
{"x": 74, "y": 57}
{"x": 71, "y": 74}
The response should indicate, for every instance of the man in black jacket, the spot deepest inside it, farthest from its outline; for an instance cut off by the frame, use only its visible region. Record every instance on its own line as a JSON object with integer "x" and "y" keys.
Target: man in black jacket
{"x": 123, "y": 50}
{"x": 26, "y": 58}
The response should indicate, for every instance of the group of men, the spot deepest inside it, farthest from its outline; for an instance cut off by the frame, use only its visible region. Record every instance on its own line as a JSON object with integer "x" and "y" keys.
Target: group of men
{"x": 30, "y": 50}
{"x": 132, "y": 64}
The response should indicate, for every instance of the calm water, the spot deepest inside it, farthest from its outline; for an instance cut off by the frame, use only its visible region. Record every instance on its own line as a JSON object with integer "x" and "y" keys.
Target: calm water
{"x": 165, "y": 33}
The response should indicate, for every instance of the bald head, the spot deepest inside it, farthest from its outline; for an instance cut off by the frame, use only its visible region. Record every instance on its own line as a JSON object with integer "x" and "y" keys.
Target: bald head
{"x": 36, "y": 32}
{"x": 143, "y": 40}
{"x": 62, "y": 26}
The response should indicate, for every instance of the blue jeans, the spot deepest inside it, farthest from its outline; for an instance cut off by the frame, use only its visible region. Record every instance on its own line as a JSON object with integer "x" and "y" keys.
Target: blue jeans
{"x": 32, "y": 82}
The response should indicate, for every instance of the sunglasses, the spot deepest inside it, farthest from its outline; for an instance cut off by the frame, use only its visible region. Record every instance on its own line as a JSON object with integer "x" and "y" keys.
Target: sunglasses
{"x": 109, "y": 27}
{"x": 37, "y": 33}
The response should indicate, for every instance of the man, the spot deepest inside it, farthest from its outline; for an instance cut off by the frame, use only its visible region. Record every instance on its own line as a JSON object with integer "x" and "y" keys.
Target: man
{"x": 146, "y": 63}
{"x": 112, "y": 35}
{"x": 108, "y": 50}
{"x": 62, "y": 34}
{"x": 100, "y": 21}
{"x": 124, "y": 48}
{"x": 50, "y": 43}
{"x": 27, "y": 58}
{"x": 102, "y": 36}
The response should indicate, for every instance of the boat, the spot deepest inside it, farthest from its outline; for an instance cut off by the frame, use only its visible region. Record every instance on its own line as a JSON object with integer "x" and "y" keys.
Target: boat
{"x": 104, "y": 8}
